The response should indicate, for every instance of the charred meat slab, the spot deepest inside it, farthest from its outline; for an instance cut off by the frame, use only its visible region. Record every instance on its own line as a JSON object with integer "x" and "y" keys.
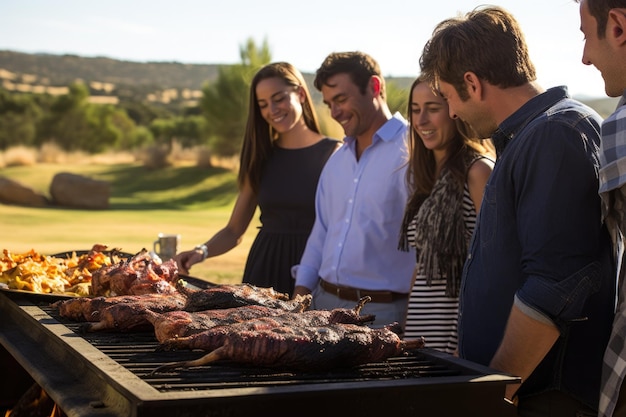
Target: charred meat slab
{"x": 174, "y": 324}
{"x": 88, "y": 309}
{"x": 121, "y": 313}
{"x": 306, "y": 348}
{"x": 214, "y": 337}
{"x": 237, "y": 295}
{"x": 129, "y": 317}
{"x": 126, "y": 313}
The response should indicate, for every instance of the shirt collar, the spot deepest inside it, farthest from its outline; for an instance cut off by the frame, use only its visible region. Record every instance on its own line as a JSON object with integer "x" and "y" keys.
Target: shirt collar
{"x": 387, "y": 132}
{"x": 529, "y": 111}
{"x": 622, "y": 100}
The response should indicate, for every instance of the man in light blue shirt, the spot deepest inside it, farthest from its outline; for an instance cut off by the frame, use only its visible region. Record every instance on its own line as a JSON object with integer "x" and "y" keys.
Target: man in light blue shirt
{"x": 352, "y": 249}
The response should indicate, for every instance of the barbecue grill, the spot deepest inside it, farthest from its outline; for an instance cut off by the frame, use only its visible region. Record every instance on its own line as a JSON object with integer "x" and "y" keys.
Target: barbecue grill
{"x": 109, "y": 374}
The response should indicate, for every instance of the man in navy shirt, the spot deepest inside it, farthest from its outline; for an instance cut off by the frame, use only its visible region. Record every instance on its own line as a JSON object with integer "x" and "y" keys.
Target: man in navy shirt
{"x": 538, "y": 286}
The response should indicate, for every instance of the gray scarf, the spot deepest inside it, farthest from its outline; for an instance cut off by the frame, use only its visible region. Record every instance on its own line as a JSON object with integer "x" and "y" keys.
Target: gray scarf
{"x": 440, "y": 236}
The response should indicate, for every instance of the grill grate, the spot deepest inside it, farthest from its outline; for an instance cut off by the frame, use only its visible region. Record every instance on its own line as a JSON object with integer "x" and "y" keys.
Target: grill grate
{"x": 137, "y": 352}
{"x": 109, "y": 375}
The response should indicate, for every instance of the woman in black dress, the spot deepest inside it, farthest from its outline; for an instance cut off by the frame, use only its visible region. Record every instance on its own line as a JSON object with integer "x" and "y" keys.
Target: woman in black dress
{"x": 282, "y": 157}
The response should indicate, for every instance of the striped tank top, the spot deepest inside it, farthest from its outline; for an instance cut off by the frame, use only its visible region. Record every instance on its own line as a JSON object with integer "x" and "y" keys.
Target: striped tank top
{"x": 431, "y": 314}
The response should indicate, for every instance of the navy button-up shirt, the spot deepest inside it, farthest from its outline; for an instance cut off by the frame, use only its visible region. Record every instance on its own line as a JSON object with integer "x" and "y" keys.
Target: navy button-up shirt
{"x": 540, "y": 240}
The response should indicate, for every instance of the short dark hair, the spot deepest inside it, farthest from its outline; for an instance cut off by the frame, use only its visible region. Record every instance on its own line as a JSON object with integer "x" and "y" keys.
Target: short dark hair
{"x": 487, "y": 41}
{"x": 360, "y": 66}
{"x": 599, "y": 9}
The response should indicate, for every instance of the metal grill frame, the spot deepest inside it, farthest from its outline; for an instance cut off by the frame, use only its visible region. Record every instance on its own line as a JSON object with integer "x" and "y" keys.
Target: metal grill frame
{"x": 85, "y": 381}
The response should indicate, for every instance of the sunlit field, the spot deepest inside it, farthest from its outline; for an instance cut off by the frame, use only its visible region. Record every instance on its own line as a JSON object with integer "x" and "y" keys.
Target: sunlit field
{"x": 192, "y": 201}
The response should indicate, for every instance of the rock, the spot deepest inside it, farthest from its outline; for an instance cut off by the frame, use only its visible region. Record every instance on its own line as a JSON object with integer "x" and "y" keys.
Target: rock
{"x": 76, "y": 191}
{"x": 12, "y": 192}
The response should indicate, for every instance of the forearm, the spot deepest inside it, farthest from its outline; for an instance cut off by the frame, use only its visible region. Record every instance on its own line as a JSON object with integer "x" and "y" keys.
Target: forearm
{"x": 525, "y": 343}
{"x": 222, "y": 242}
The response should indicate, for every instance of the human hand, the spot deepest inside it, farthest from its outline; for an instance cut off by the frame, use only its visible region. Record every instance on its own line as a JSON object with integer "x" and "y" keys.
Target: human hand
{"x": 300, "y": 290}
{"x": 185, "y": 260}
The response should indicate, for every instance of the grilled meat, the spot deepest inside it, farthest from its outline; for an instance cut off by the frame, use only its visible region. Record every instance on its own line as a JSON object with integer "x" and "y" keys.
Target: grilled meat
{"x": 229, "y": 296}
{"x": 214, "y": 337}
{"x": 175, "y": 324}
{"x": 134, "y": 276}
{"x": 126, "y": 313}
{"x": 130, "y": 316}
{"x": 86, "y": 309}
{"x": 306, "y": 348}
{"x": 97, "y": 309}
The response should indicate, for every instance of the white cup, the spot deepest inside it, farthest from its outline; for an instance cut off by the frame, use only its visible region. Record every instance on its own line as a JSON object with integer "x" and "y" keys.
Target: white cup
{"x": 166, "y": 246}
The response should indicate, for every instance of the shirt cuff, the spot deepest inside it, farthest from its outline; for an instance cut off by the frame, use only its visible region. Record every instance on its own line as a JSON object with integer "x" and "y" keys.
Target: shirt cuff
{"x": 562, "y": 301}
{"x": 305, "y": 276}
{"x": 531, "y": 312}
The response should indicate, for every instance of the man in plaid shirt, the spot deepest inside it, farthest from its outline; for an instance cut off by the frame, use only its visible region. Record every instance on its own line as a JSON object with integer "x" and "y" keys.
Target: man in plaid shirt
{"x": 603, "y": 22}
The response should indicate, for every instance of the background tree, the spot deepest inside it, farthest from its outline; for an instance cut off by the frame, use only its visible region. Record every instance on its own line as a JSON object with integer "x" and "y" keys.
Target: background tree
{"x": 225, "y": 101}
{"x": 74, "y": 124}
{"x": 19, "y": 116}
{"x": 188, "y": 131}
{"x": 397, "y": 98}
{"x": 64, "y": 123}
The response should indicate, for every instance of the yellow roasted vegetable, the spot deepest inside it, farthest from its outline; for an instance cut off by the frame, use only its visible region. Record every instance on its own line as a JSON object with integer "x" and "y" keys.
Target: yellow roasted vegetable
{"x": 32, "y": 271}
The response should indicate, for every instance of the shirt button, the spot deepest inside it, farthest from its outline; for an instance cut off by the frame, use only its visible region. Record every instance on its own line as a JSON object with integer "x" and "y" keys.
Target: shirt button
{"x": 350, "y": 201}
{"x": 340, "y": 244}
{"x": 356, "y": 180}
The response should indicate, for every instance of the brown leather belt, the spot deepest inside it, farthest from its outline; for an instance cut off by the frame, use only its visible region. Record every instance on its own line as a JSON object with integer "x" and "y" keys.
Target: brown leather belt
{"x": 355, "y": 294}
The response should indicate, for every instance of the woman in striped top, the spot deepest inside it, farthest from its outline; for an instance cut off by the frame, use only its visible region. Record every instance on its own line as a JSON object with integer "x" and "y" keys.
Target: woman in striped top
{"x": 448, "y": 171}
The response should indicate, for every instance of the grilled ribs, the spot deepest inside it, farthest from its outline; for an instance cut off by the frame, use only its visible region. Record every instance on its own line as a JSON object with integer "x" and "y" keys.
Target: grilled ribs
{"x": 126, "y": 313}
{"x": 135, "y": 276}
{"x": 122, "y": 313}
{"x": 229, "y": 296}
{"x": 130, "y": 316}
{"x": 88, "y": 309}
{"x": 306, "y": 348}
{"x": 214, "y": 337}
{"x": 176, "y": 324}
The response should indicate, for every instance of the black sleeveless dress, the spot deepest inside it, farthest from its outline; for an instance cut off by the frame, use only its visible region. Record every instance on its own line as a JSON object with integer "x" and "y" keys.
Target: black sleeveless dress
{"x": 287, "y": 205}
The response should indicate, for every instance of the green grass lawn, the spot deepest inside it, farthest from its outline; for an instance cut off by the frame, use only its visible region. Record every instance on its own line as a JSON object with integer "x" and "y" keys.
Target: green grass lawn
{"x": 194, "y": 202}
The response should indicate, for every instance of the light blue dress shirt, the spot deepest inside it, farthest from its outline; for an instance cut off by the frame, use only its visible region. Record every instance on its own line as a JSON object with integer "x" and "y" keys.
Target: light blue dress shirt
{"x": 359, "y": 210}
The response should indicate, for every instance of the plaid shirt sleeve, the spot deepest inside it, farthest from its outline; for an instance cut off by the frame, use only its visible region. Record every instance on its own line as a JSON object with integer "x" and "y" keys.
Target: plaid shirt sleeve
{"x": 613, "y": 192}
{"x": 614, "y": 363}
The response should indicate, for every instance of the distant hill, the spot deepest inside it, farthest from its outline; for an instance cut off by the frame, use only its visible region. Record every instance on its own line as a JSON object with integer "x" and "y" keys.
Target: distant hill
{"x": 111, "y": 79}
{"x": 62, "y": 70}
{"x": 157, "y": 81}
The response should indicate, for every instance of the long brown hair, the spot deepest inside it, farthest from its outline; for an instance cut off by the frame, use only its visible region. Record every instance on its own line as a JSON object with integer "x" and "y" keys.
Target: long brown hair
{"x": 422, "y": 170}
{"x": 259, "y": 136}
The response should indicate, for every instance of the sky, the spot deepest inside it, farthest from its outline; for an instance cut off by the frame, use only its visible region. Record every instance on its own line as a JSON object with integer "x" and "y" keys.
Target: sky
{"x": 303, "y": 33}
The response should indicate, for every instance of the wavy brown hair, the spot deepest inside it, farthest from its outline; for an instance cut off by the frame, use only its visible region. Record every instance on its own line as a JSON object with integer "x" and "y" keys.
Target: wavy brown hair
{"x": 258, "y": 140}
{"x": 487, "y": 41}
